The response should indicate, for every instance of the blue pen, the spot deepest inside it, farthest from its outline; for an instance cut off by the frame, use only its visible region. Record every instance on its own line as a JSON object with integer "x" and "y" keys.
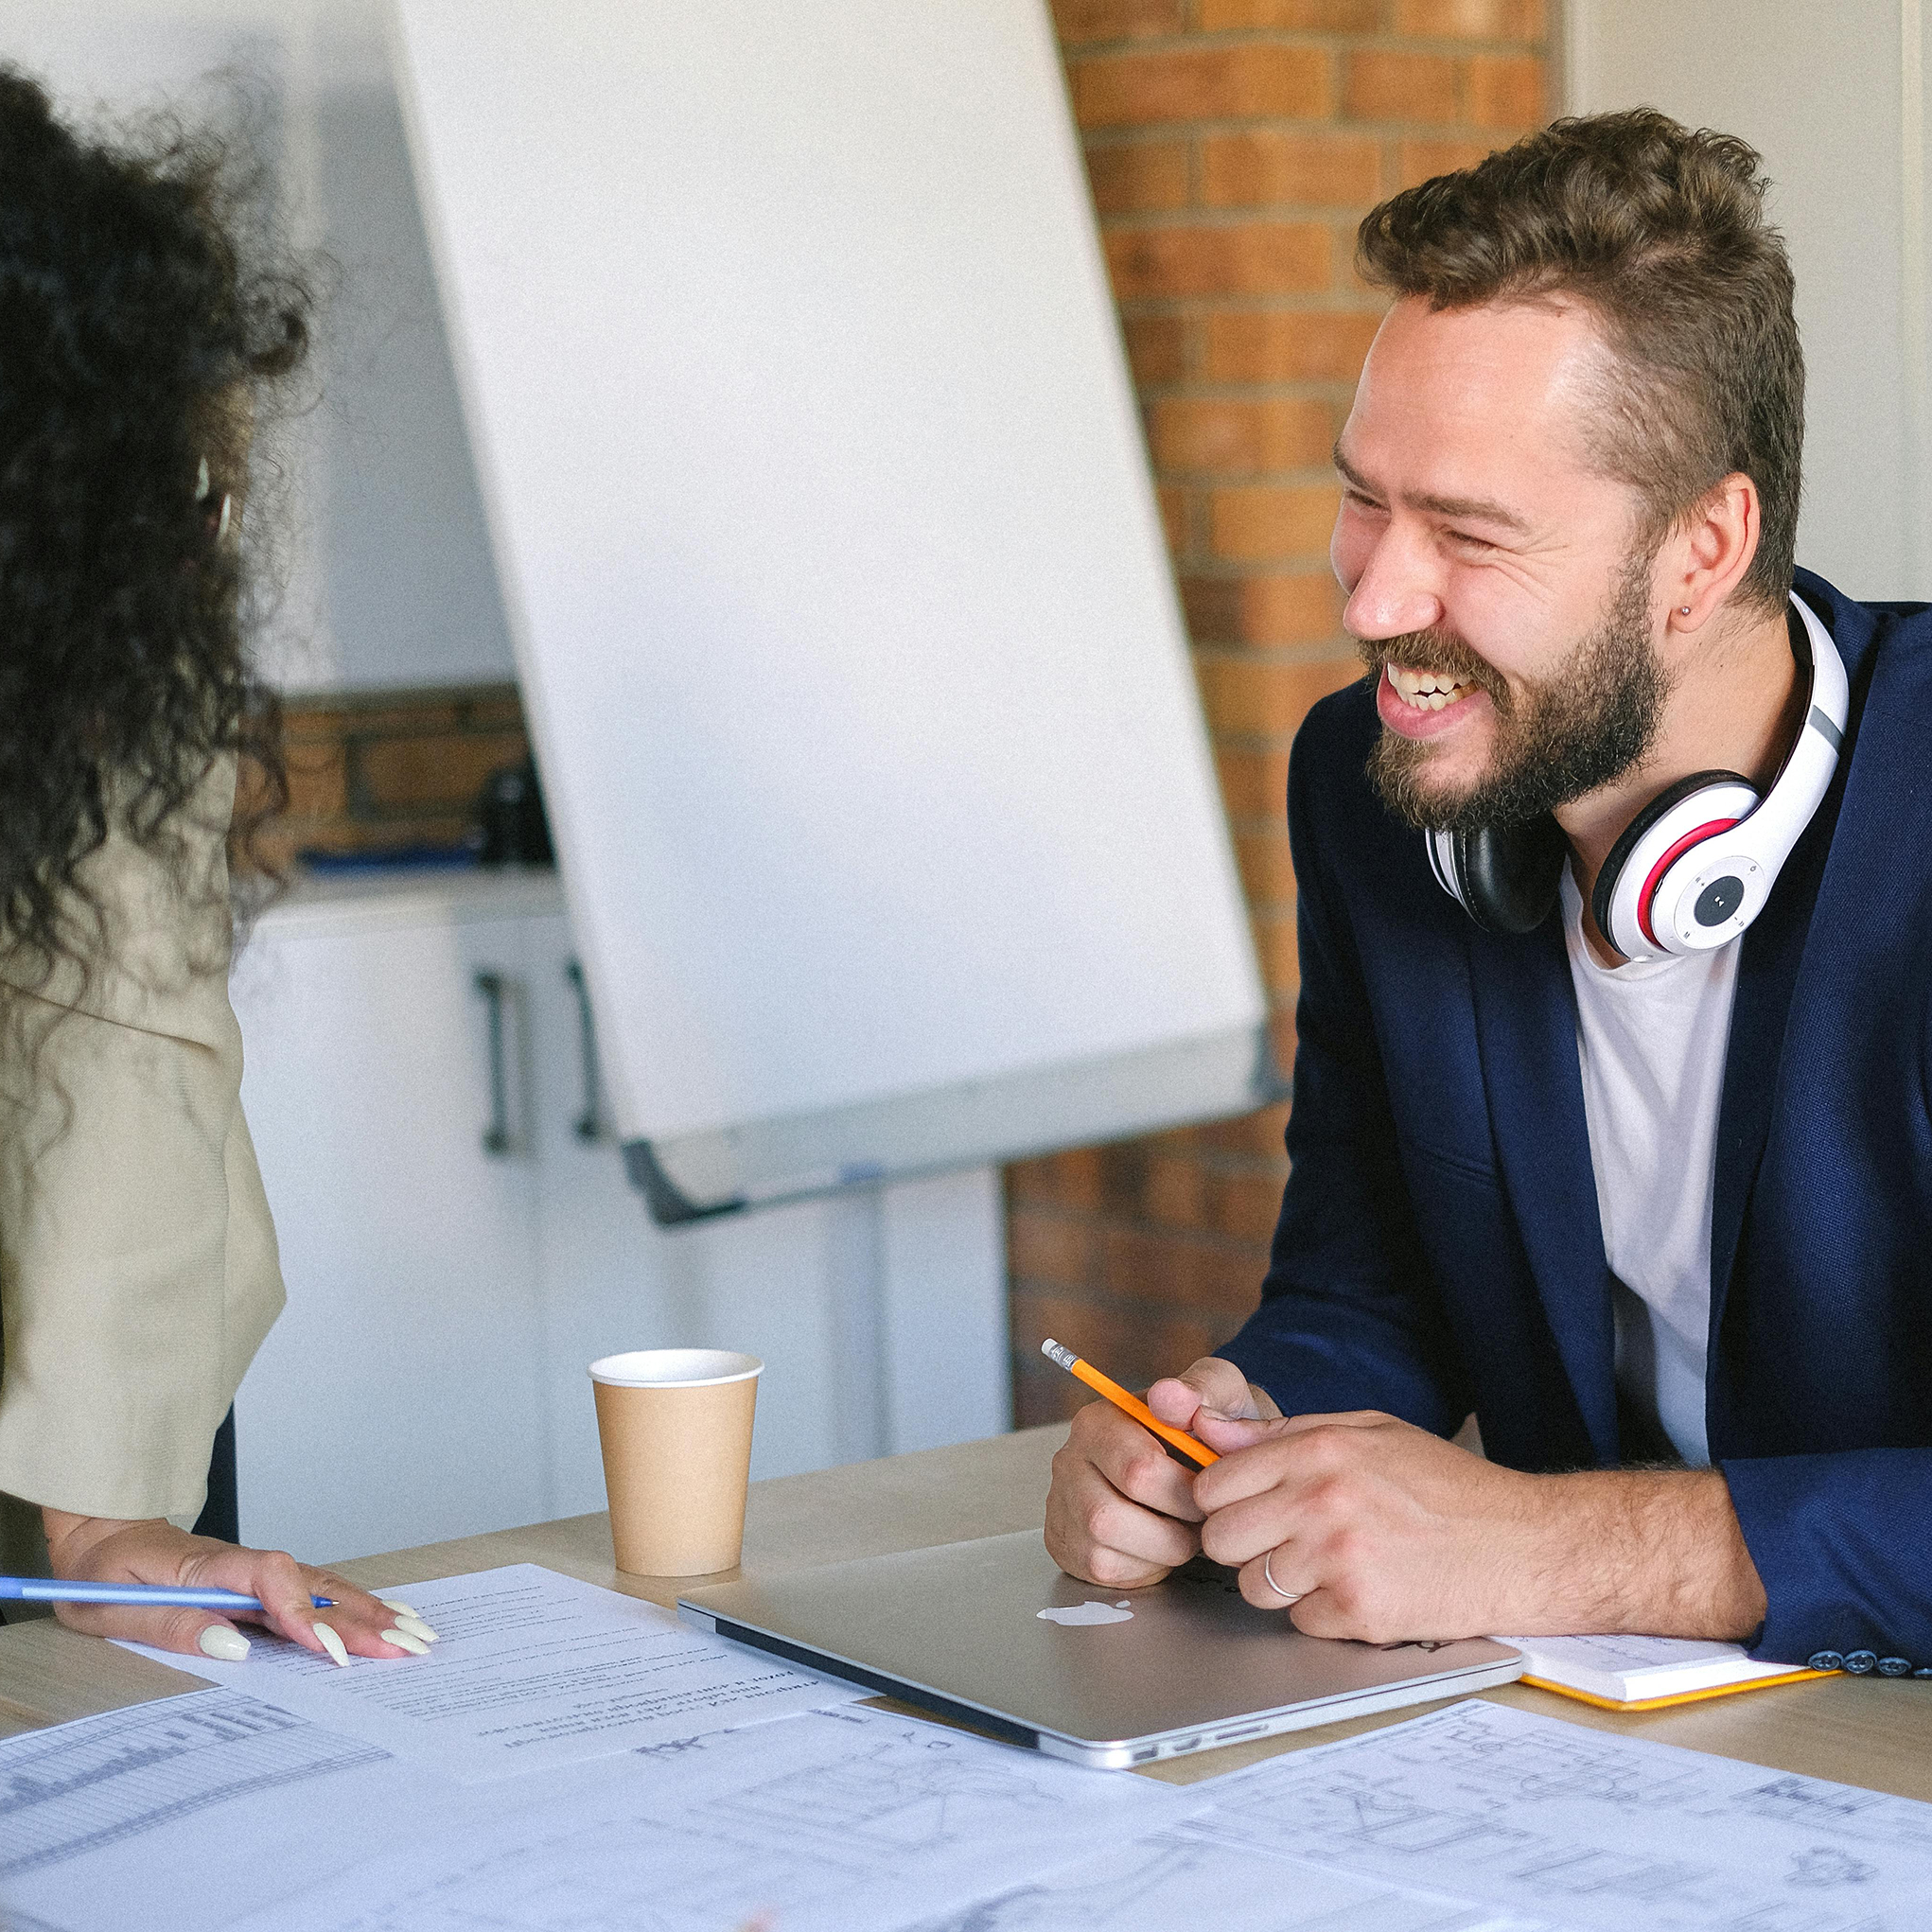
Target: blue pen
{"x": 41, "y": 1590}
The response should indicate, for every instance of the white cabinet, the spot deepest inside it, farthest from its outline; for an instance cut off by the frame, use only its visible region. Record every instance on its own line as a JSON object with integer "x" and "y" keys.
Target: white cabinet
{"x": 426, "y": 1380}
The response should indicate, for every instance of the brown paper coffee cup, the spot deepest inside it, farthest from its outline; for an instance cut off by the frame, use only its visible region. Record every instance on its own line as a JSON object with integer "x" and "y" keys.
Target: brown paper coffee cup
{"x": 676, "y": 1429}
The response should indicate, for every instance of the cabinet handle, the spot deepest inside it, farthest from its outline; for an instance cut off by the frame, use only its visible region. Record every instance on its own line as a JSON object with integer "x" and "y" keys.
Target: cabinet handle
{"x": 590, "y": 1123}
{"x": 495, "y": 1136}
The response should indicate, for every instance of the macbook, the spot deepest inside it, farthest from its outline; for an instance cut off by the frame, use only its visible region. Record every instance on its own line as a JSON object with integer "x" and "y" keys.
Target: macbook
{"x": 994, "y": 1634}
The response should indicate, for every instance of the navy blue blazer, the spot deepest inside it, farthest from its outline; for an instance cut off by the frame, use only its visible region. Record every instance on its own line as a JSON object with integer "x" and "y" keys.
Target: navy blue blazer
{"x": 1439, "y": 1249}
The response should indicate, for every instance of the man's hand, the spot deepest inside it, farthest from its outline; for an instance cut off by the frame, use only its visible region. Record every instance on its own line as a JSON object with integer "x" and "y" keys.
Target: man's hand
{"x": 94, "y": 1549}
{"x": 1121, "y": 1511}
{"x": 1384, "y": 1532}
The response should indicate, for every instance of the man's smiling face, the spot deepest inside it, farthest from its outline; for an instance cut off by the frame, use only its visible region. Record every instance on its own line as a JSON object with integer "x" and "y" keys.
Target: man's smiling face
{"x": 1495, "y": 582}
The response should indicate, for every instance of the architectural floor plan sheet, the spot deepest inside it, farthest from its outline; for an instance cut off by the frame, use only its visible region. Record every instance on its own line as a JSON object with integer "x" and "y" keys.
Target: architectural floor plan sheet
{"x": 532, "y": 1670}
{"x": 214, "y": 1810}
{"x": 1484, "y": 1818}
{"x": 300, "y": 1804}
{"x": 1557, "y": 1826}
{"x": 1174, "y": 1878}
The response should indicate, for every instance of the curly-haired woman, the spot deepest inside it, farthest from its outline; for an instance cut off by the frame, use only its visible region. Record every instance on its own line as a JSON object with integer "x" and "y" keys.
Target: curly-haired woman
{"x": 137, "y": 1259}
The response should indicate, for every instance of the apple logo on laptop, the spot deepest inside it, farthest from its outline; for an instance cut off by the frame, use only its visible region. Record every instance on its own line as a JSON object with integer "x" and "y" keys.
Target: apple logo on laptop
{"x": 1088, "y": 1613}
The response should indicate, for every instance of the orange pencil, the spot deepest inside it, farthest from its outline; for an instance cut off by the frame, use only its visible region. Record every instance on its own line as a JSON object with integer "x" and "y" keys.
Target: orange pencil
{"x": 1130, "y": 1405}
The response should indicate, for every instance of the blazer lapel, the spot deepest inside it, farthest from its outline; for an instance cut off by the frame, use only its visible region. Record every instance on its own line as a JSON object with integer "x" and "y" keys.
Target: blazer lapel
{"x": 1526, "y": 1033}
{"x": 1767, "y": 965}
{"x": 1766, "y": 972}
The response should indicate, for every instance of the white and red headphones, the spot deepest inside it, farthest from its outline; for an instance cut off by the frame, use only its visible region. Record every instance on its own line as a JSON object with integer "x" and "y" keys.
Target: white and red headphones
{"x": 1694, "y": 866}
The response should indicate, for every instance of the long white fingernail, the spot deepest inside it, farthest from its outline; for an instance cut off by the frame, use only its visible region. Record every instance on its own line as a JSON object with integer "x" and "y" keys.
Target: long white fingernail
{"x": 395, "y": 1603}
{"x": 403, "y": 1641}
{"x": 218, "y": 1640}
{"x": 330, "y": 1639}
{"x": 416, "y": 1628}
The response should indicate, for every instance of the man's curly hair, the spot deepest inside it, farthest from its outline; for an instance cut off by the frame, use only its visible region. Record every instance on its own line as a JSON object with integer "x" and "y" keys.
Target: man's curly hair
{"x": 1661, "y": 230}
{"x": 137, "y": 339}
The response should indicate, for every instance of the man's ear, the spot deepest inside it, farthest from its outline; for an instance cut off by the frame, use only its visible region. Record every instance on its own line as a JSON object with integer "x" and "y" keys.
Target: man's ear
{"x": 1708, "y": 552}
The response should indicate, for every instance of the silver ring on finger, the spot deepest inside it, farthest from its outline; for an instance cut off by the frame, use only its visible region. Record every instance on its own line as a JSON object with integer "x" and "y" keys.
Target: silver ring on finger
{"x": 1286, "y": 1596}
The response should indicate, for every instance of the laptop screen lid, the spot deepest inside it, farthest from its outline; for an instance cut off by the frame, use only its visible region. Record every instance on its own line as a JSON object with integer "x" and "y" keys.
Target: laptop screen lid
{"x": 993, "y": 1633}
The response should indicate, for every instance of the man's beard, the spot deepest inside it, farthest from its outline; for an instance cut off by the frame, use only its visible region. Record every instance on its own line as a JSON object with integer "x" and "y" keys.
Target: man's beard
{"x": 1584, "y": 726}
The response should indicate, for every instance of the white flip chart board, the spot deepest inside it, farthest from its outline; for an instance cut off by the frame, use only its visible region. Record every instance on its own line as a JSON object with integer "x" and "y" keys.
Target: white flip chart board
{"x": 858, "y": 684}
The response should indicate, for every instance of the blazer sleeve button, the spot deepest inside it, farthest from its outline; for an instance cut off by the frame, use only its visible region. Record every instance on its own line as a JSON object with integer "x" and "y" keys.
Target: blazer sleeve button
{"x": 1859, "y": 1661}
{"x": 1894, "y": 1666}
{"x": 1826, "y": 1659}
{"x": 1924, "y": 1670}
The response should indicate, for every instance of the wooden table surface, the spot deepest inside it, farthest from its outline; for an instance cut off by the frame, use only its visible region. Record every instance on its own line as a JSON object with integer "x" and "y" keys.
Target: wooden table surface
{"x": 1858, "y": 1730}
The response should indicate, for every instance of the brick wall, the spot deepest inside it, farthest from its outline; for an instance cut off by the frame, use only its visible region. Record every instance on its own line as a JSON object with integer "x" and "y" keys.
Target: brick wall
{"x": 401, "y": 768}
{"x": 1232, "y": 146}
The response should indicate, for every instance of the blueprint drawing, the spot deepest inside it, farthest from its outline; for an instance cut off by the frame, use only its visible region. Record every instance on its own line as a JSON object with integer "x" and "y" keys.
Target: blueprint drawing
{"x": 1165, "y": 1879}
{"x": 1588, "y": 1829}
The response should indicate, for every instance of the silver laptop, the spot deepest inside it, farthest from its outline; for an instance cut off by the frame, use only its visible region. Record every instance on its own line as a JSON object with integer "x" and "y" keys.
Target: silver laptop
{"x": 994, "y": 1634}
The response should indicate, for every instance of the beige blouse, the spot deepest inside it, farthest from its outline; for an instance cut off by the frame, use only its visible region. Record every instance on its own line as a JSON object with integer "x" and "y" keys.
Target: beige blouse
{"x": 138, "y": 1272}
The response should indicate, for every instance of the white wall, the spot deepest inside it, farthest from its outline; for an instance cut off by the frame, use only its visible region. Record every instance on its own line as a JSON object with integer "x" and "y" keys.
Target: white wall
{"x": 1832, "y": 96}
{"x": 388, "y": 577}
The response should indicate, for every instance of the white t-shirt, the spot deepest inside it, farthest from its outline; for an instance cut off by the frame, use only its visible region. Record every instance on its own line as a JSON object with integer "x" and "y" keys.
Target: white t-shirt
{"x": 1651, "y": 1039}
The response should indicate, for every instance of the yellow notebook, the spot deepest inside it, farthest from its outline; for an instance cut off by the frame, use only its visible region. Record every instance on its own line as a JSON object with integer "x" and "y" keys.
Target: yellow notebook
{"x": 1646, "y": 1673}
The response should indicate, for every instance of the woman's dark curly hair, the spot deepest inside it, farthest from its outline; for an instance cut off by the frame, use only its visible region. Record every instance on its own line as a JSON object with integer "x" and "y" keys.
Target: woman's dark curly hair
{"x": 137, "y": 341}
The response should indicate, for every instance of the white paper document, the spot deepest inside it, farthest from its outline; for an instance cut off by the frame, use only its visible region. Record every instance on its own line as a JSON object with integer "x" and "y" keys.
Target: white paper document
{"x": 214, "y": 1811}
{"x": 1176, "y": 1878}
{"x": 223, "y": 1813}
{"x": 534, "y": 1670}
{"x": 840, "y": 1821}
{"x": 190, "y": 1811}
{"x": 1570, "y": 1828}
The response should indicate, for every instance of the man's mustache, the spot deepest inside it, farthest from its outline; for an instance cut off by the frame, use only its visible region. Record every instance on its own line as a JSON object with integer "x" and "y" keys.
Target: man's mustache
{"x": 1433, "y": 650}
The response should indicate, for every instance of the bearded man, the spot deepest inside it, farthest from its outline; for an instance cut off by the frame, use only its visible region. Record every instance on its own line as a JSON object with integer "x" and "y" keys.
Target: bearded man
{"x": 1650, "y": 1199}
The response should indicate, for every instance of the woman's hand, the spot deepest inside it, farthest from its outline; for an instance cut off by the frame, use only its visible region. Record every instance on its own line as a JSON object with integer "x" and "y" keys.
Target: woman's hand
{"x": 93, "y": 1549}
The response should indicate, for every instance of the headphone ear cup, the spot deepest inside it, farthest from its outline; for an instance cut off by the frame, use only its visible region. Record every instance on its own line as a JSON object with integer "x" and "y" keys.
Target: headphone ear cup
{"x": 1504, "y": 876}
{"x": 1603, "y": 898}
